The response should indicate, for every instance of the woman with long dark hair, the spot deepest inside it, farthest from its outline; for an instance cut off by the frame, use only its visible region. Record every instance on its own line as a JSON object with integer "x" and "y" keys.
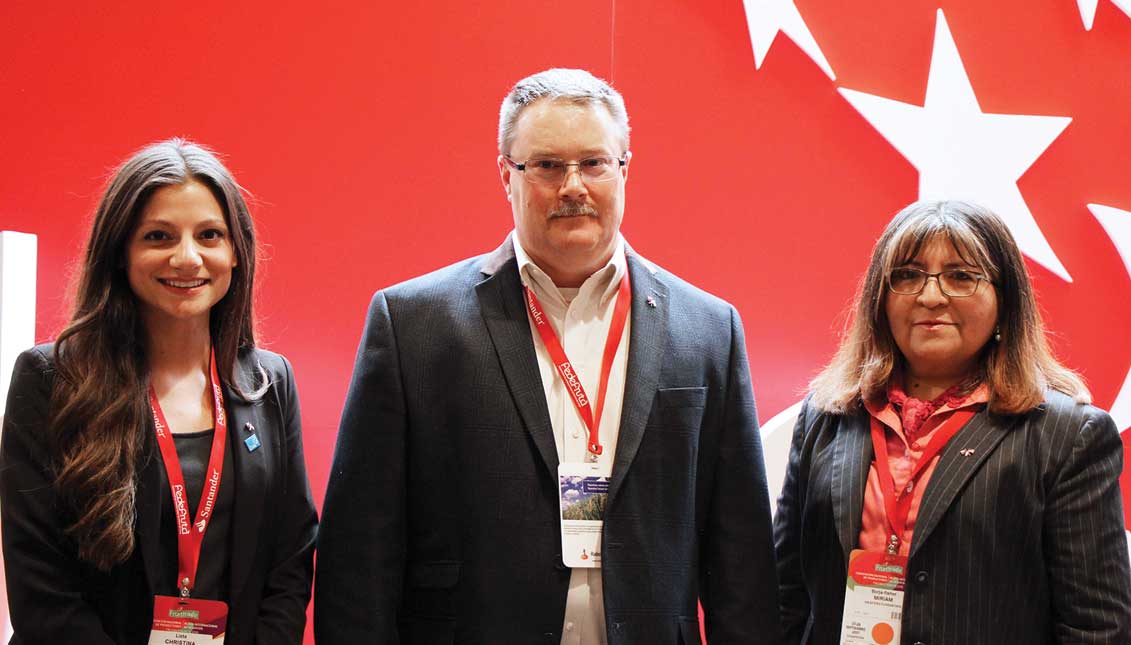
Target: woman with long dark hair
{"x": 949, "y": 481}
{"x": 151, "y": 466}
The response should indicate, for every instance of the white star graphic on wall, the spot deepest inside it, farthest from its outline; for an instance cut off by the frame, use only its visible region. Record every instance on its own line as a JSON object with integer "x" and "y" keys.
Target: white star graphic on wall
{"x": 964, "y": 153}
{"x": 1117, "y": 223}
{"x": 765, "y": 18}
{"x": 1088, "y": 10}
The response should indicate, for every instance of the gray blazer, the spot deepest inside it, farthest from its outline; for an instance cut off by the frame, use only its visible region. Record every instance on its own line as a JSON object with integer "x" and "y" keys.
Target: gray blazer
{"x": 440, "y": 523}
{"x": 1019, "y": 537}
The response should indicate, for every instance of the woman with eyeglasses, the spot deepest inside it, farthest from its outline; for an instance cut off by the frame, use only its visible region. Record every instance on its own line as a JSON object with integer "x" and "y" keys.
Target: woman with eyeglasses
{"x": 948, "y": 481}
{"x": 152, "y": 483}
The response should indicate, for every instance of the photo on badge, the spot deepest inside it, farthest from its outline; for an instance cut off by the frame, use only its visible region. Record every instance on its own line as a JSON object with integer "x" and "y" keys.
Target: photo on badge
{"x": 584, "y": 498}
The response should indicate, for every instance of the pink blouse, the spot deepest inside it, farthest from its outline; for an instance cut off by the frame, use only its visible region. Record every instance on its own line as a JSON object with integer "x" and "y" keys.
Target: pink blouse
{"x": 909, "y": 424}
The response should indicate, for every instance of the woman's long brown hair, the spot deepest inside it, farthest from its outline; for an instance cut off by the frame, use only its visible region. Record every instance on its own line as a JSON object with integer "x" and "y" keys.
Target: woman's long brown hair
{"x": 100, "y": 423}
{"x": 1018, "y": 368}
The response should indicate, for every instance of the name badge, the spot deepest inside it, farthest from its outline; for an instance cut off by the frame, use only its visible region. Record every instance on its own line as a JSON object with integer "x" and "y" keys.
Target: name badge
{"x": 583, "y": 492}
{"x": 188, "y": 621}
{"x": 873, "y": 599}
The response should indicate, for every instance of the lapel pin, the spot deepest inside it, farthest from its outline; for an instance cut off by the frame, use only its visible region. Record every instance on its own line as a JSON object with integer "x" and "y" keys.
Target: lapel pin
{"x": 248, "y": 427}
{"x": 651, "y": 302}
{"x": 251, "y": 442}
{"x": 966, "y": 452}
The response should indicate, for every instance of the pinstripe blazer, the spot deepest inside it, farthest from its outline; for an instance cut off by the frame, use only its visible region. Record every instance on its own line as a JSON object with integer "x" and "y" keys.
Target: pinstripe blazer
{"x": 1019, "y": 537}
{"x": 440, "y": 524}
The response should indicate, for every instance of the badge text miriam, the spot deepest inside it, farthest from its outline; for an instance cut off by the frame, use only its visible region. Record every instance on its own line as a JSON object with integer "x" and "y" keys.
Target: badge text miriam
{"x": 184, "y": 613}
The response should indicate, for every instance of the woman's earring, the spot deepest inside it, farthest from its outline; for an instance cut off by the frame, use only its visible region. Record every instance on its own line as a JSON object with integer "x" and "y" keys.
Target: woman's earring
{"x": 997, "y": 334}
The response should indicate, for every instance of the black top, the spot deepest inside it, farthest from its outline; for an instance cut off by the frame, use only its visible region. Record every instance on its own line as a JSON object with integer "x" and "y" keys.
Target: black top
{"x": 193, "y": 449}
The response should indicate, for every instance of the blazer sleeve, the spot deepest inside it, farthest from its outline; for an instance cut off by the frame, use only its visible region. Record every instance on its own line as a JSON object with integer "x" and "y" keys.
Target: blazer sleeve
{"x": 739, "y": 592}
{"x": 286, "y": 592}
{"x": 1086, "y": 545}
{"x": 43, "y": 573}
{"x": 361, "y": 547}
{"x": 787, "y": 537}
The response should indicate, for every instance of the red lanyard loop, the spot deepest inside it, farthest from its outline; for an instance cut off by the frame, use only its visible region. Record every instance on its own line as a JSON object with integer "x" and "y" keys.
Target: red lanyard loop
{"x": 898, "y": 504}
{"x": 190, "y": 537}
{"x": 569, "y": 375}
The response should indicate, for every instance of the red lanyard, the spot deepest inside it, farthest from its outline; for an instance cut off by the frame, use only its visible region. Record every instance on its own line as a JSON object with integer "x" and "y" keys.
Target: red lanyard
{"x": 565, "y": 369}
{"x": 898, "y": 504}
{"x": 190, "y": 537}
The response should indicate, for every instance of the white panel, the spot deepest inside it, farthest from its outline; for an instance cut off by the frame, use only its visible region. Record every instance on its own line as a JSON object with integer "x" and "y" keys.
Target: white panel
{"x": 17, "y": 301}
{"x": 777, "y": 435}
{"x": 17, "y": 327}
{"x": 1117, "y": 224}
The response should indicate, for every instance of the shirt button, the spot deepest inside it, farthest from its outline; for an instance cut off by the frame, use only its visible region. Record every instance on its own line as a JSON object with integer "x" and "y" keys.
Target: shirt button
{"x": 576, "y": 434}
{"x": 569, "y": 627}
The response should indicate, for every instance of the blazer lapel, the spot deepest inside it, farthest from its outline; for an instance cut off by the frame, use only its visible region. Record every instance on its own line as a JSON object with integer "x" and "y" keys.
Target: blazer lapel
{"x": 851, "y": 459}
{"x": 961, "y": 458}
{"x": 648, "y": 338}
{"x": 503, "y": 308}
{"x": 151, "y": 486}
{"x": 250, "y": 473}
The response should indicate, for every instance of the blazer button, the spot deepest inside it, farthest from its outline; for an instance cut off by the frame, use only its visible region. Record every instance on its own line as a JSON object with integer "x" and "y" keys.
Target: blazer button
{"x": 920, "y": 643}
{"x": 921, "y": 577}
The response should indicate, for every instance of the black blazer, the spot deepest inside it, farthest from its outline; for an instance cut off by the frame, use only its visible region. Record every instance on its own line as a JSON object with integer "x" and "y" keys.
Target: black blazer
{"x": 1019, "y": 537}
{"x": 55, "y": 598}
{"x": 440, "y": 523}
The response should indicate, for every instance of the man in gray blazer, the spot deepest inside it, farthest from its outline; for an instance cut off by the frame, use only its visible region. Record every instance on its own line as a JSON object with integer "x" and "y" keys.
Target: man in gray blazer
{"x": 478, "y": 388}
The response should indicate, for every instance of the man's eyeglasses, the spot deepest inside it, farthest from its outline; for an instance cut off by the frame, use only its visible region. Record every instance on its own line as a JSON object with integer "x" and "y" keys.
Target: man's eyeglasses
{"x": 552, "y": 172}
{"x": 956, "y": 283}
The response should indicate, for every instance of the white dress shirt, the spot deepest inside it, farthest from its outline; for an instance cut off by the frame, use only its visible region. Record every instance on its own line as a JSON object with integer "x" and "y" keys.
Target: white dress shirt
{"x": 581, "y": 318}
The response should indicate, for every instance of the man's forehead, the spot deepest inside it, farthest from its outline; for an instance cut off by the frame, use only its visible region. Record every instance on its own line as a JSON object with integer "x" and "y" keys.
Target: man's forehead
{"x": 547, "y": 125}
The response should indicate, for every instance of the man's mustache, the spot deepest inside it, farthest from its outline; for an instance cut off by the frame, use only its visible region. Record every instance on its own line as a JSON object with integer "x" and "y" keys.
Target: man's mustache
{"x": 573, "y": 209}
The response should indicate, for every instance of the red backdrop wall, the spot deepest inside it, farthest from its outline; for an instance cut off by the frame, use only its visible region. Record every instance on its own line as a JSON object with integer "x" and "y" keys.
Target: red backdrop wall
{"x": 366, "y": 131}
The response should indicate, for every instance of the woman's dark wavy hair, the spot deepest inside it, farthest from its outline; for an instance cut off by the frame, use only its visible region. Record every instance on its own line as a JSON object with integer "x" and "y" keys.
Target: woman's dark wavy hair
{"x": 100, "y": 420}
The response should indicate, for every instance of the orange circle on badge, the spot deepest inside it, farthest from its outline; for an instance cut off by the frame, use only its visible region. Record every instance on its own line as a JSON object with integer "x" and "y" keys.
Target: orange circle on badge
{"x": 882, "y": 633}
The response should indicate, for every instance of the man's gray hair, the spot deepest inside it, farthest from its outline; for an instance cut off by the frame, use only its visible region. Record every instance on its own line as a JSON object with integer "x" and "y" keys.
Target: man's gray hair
{"x": 574, "y": 85}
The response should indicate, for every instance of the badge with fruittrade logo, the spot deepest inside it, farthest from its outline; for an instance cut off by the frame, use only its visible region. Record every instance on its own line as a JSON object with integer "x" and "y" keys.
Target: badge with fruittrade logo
{"x": 188, "y": 621}
{"x": 583, "y": 492}
{"x": 873, "y": 599}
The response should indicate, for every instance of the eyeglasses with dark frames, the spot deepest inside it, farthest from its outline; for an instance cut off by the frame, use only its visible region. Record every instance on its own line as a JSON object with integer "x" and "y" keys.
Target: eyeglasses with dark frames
{"x": 552, "y": 172}
{"x": 955, "y": 283}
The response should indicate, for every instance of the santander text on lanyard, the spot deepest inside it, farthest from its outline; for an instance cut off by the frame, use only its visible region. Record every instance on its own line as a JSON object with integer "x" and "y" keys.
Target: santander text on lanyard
{"x": 190, "y": 536}
{"x": 898, "y": 503}
{"x": 570, "y": 377}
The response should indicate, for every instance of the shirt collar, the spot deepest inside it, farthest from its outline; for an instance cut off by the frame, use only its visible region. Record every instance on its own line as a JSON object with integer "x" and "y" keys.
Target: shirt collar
{"x": 606, "y": 280}
{"x": 885, "y": 411}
